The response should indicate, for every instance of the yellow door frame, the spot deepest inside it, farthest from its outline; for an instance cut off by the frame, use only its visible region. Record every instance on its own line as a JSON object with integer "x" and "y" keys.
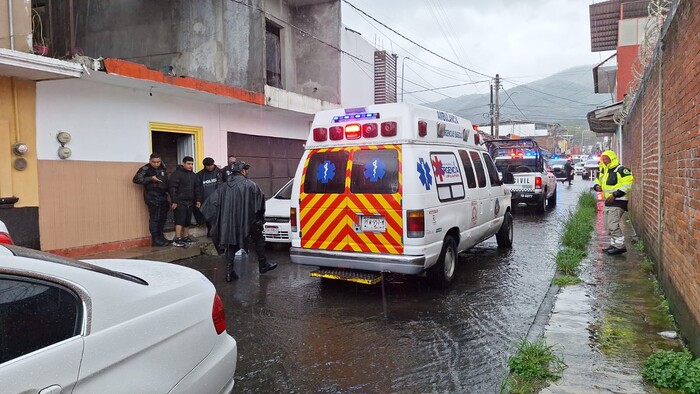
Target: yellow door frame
{"x": 196, "y": 131}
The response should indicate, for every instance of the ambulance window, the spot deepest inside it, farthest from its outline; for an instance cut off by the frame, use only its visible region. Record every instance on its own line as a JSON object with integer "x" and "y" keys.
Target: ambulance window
{"x": 479, "y": 168}
{"x": 491, "y": 168}
{"x": 448, "y": 176}
{"x": 325, "y": 173}
{"x": 468, "y": 169}
{"x": 375, "y": 172}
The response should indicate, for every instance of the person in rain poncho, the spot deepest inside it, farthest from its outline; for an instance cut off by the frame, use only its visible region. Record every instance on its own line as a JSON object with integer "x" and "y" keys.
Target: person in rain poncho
{"x": 615, "y": 181}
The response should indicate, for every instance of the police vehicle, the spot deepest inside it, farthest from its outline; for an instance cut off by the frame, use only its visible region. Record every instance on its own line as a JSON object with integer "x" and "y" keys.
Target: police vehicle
{"x": 535, "y": 184}
{"x": 394, "y": 188}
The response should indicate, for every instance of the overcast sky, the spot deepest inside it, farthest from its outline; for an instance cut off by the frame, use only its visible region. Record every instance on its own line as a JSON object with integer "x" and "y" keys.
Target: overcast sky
{"x": 522, "y": 40}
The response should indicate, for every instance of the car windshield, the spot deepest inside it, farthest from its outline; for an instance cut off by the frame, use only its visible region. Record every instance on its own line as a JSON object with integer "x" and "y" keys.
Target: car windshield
{"x": 516, "y": 165}
{"x": 557, "y": 162}
{"x": 285, "y": 193}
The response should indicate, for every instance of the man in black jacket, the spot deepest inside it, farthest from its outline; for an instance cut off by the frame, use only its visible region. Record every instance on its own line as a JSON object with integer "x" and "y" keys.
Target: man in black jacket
{"x": 236, "y": 211}
{"x": 154, "y": 179}
{"x": 210, "y": 179}
{"x": 226, "y": 172}
{"x": 186, "y": 194}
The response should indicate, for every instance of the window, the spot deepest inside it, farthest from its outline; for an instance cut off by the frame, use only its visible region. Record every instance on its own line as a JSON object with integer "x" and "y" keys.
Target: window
{"x": 448, "y": 177}
{"x": 325, "y": 173}
{"x": 375, "y": 172}
{"x": 468, "y": 169}
{"x": 479, "y": 168}
{"x": 491, "y": 168}
{"x": 34, "y": 315}
{"x": 273, "y": 55}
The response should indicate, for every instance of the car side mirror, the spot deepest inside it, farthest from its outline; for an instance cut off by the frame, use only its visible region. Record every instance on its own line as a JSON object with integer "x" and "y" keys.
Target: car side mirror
{"x": 508, "y": 178}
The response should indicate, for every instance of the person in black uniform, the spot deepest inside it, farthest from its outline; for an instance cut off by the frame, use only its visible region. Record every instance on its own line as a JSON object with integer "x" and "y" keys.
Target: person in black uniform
{"x": 226, "y": 171}
{"x": 236, "y": 212}
{"x": 569, "y": 171}
{"x": 186, "y": 194}
{"x": 210, "y": 179}
{"x": 154, "y": 179}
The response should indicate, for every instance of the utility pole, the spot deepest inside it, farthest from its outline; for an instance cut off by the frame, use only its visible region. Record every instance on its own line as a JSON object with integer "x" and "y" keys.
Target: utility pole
{"x": 491, "y": 108}
{"x": 497, "y": 112}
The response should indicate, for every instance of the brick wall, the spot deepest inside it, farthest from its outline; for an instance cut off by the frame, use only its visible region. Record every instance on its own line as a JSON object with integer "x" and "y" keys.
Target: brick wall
{"x": 665, "y": 205}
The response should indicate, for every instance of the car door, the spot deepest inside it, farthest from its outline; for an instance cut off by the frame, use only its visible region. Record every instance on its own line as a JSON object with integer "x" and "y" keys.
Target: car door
{"x": 495, "y": 193}
{"x": 41, "y": 327}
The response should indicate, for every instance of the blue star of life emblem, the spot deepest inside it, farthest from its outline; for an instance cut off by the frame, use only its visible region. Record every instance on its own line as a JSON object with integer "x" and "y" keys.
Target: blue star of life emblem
{"x": 325, "y": 171}
{"x": 375, "y": 170}
{"x": 424, "y": 171}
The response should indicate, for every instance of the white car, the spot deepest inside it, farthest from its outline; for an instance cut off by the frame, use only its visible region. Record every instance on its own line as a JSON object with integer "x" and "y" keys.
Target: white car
{"x": 578, "y": 168}
{"x": 5, "y": 234}
{"x": 109, "y": 326}
{"x": 277, "y": 225}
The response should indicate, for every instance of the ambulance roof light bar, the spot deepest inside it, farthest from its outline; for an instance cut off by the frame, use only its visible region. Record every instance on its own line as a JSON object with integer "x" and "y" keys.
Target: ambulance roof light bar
{"x": 358, "y": 116}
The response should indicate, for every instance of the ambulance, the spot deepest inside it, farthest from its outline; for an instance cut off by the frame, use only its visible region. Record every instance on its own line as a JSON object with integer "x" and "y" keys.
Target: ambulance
{"x": 394, "y": 188}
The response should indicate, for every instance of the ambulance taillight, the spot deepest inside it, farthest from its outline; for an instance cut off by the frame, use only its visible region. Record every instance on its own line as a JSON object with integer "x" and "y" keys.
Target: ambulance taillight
{"x": 389, "y": 129}
{"x": 293, "y": 219}
{"x": 370, "y": 130}
{"x": 422, "y": 128}
{"x": 336, "y": 133}
{"x": 320, "y": 134}
{"x": 416, "y": 224}
{"x": 352, "y": 131}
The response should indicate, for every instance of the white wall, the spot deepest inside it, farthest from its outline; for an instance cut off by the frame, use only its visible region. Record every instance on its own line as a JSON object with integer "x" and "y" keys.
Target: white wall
{"x": 356, "y": 76}
{"x": 111, "y": 123}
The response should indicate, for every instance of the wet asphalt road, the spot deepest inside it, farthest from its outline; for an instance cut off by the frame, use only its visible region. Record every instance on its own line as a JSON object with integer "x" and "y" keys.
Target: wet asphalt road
{"x": 301, "y": 334}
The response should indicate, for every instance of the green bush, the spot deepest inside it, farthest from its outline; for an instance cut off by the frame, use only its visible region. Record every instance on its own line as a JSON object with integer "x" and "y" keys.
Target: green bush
{"x": 578, "y": 227}
{"x": 673, "y": 370}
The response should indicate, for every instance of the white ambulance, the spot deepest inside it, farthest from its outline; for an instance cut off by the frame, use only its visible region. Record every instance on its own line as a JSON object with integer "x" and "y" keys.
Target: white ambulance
{"x": 394, "y": 188}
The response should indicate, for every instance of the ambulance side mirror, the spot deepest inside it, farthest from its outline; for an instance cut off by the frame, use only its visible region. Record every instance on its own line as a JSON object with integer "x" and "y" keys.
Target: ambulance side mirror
{"x": 508, "y": 178}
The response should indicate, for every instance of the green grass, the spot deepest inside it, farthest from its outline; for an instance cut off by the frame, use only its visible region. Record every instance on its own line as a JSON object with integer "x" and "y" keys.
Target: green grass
{"x": 647, "y": 265}
{"x": 566, "y": 280}
{"x": 568, "y": 260}
{"x": 673, "y": 370}
{"x": 532, "y": 366}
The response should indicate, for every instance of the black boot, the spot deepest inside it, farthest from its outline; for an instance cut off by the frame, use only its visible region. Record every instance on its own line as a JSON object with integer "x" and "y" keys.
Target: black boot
{"x": 156, "y": 241}
{"x": 230, "y": 273}
{"x": 264, "y": 266}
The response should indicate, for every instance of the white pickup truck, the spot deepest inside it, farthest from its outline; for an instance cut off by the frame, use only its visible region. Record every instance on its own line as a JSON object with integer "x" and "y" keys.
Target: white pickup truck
{"x": 535, "y": 184}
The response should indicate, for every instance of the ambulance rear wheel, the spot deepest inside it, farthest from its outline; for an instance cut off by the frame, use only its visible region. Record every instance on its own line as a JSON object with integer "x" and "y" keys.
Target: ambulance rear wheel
{"x": 504, "y": 237}
{"x": 442, "y": 273}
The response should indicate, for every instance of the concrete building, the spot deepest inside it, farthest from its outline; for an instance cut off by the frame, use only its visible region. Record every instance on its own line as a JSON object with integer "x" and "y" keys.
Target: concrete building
{"x": 161, "y": 76}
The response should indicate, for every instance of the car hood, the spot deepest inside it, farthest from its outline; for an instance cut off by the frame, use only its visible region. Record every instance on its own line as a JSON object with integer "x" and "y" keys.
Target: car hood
{"x": 277, "y": 207}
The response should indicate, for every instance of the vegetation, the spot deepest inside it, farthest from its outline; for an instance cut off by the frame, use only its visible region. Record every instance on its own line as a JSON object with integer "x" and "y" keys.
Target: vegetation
{"x": 568, "y": 260}
{"x": 532, "y": 366}
{"x": 566, "y": 280}
{"x": 673, "y": 370}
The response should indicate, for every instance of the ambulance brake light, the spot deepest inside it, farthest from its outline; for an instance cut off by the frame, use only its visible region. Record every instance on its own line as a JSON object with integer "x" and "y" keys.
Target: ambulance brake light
{"x": 416, "y": 224}
{"x": 336, "y": 133}
{"x": 320, "y": 134}
{"x": 389, "y": 129}
{"x": 293, "y": 219}
{"x": 369, "y": 130}
{"x": 352, "y": 131}
{"x": 422, "y": 128}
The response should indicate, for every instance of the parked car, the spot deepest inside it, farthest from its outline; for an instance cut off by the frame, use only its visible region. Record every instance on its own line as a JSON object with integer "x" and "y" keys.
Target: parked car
{"x": 591, "y": 167}
{"x": 119, "y": 325}
{"x": 5, "y": 237}
{"x": 579, "y": 168}
{"x": 277, "y": 225}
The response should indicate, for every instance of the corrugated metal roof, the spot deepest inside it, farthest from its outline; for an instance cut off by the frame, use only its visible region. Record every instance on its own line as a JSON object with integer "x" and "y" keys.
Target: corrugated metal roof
{"x": 605, "y": 16}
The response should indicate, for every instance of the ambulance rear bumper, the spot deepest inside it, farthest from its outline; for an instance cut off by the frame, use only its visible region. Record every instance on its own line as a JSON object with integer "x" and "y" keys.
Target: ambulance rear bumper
{"x": 401, "y": 264}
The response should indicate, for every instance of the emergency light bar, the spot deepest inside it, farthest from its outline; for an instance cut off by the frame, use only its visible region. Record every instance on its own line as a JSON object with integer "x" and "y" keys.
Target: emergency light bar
{"x": 362, "y": 116}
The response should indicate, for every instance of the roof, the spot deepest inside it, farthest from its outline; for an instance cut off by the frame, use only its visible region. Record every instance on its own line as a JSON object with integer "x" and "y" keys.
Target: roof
{"x": 602, "y": 120}
{"x": 604, "y": 20}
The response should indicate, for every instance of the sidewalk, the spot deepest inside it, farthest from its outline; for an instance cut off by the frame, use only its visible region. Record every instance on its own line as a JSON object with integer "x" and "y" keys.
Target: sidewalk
{"x": 606, "y": 327}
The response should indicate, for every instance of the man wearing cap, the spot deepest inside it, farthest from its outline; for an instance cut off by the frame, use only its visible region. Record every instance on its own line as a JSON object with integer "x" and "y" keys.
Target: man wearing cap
{"x": 615, "y": 181}
{"x": 236, "y": 210}
{"x": 226, "y": 171}
{"x": 210, "y": 178}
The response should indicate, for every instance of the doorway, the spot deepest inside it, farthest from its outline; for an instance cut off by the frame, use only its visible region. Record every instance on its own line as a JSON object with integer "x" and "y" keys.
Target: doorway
{"x": 174, "y": 142}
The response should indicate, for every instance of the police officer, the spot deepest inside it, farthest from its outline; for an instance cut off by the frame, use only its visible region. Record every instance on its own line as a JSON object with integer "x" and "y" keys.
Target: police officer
{"x": 226, "y": 172}
{"x": 615, "y": 181}
{"x": 210, "y": 179}
{"x": 154, "y": 179}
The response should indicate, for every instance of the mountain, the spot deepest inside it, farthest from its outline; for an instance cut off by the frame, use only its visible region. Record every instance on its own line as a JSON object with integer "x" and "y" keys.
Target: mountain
{"x": 565, "y": 98}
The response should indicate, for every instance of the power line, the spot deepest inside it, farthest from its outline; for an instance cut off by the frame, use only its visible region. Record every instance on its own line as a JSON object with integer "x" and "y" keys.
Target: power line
{"x": 450, "y": 86}
{"x": 414, "y": 42}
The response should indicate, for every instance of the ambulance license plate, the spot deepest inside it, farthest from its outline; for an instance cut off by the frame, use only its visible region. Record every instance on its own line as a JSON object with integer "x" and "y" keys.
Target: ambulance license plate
{"x": 373, "y": 223}
{"x": 271, "y": 230}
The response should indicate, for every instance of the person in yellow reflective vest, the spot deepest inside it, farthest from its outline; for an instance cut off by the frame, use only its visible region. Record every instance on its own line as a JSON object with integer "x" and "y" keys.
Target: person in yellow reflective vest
{"x": 615, "y": 181}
